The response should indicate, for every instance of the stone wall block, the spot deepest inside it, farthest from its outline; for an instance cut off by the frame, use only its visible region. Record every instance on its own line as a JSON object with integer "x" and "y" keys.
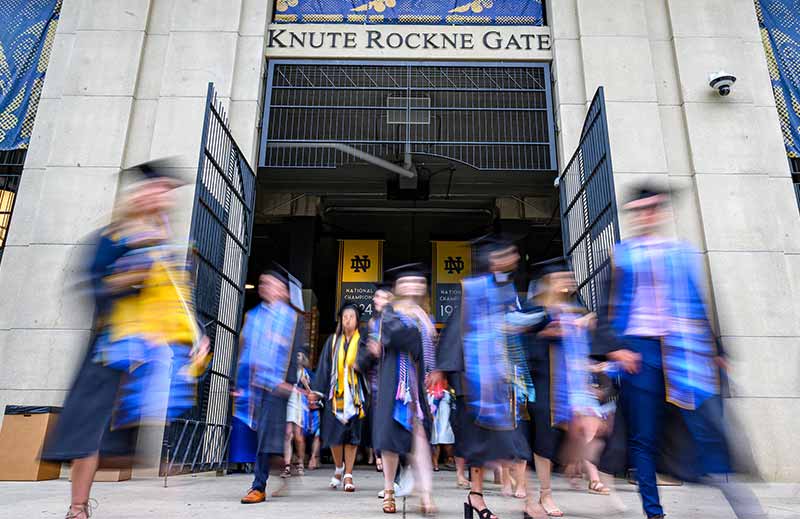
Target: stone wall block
{"x": 74, "y": 203}
{"x": 114, "y": 15}
{"x": 91, "y": 131}
{"x": 52, "y": 272}
{"x": 21, "y": 231}
{"x": 206, "y": 15}
{"x": 151, "y": 71}
{"x": 758, "y": 446}
{"x": 596, "y": 19}
{"x": 765, "y": 367}
{"x": 668, "y": 87}
{"x": 699, "y": 57}
{"x": 248, "y": 71}
{"x": 622, "y": 65}
{"x": 178, "y": 128}
{"x": 658, "y": 26}
{"x": 69, "y": 17}
{"x": 758, "y": 74}
{"x": 42, "y": 136}
{"x": 713, "y": 18}
{"x": 637, "y": 144}
{"x": 783, "y": 209}
{"x": 253, "y": 21}
{"x": 104, "y": 63}
{"x": 58, "y": 66}
{"x": 686, "y": 211}
{"x": 140, "y": 133}
{"x": 568, "y": 72}
{"x": 753, "y": 294}
{"x": 733, "y": 213}
{"x": 160, "y": 17}
{"x": 676, "y": 144}
{"x": 731, "y": 138}
{"x": 194, "y": 59}
{"x": 570, "y": 120}
{"x": 562, "y": 17}
{"x": 244, "y": 127}
{"x": 29, "y": 354}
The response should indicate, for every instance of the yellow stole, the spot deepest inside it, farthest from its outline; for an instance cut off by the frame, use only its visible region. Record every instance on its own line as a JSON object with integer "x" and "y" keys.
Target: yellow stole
{"x": 345, "y": 371}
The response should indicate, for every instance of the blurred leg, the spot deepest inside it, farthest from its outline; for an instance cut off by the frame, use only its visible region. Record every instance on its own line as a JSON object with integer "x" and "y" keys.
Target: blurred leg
{"x": 83, "y": 471}
{"x": 287, "y": 444}
{"x": 349, "y": 458}
{"x": 644, "y": 413}
{"x": 299, "y": 444}
{"x": 421, "y": 455}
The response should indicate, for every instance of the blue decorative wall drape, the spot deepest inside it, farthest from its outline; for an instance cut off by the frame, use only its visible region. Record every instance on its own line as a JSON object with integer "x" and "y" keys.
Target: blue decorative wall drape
{"x": 27, "y": 30}
{"x": 779, "y": 21}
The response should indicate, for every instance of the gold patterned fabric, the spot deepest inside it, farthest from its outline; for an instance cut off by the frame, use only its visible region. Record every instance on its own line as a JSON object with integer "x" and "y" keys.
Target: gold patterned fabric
{"x": 779, "y": 21}
{"x": 432, "y": 12}
{"x": 27, "y": 31}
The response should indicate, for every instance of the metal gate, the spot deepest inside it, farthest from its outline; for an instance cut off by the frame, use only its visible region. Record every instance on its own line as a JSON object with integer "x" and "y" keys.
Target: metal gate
{"x": 589, "y": 221}
{"x": 222, "y": 223}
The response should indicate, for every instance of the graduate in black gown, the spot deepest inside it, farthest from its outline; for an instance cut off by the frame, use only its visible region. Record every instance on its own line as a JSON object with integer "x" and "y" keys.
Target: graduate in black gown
{"x": 343, "y": 392}
{"x": 480, "y": 351}
{"x": 272, "y": 340}
{"x": 403, "y": 345}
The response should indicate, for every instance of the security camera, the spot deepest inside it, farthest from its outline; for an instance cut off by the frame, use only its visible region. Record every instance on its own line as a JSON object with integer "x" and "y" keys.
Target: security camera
{"x": 721, "y": 81}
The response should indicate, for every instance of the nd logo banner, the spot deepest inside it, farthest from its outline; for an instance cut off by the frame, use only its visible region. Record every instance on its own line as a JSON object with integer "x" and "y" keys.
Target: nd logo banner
{"x": 453, "y": 262}
{"x": 360, "y": 267}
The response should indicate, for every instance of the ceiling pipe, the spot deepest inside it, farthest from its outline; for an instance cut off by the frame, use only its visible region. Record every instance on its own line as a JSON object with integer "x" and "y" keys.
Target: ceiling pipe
{"x": 349, "y": 150}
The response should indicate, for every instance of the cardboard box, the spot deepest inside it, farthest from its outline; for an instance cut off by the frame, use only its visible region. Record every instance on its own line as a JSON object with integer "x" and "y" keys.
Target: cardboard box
{"x": 21, "y": 440}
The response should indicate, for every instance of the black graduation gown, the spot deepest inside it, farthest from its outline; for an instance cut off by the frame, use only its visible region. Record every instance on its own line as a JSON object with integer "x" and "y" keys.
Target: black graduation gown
{"x": 271, "y": 429}
{"x": 476, "y": 444}
{"x": 332, "y": 431}
{"x": 387, "y": 433}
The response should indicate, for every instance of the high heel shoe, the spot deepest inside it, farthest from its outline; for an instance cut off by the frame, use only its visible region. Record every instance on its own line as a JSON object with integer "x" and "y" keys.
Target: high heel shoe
{"x": 469, "y": 509}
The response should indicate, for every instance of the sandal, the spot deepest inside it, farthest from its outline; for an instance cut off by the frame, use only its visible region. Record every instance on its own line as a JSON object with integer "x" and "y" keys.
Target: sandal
{"x": 84, "y": 512}
{"x": 469, "y": 509}
{"x": 336, "y": 480}
{"x": 300, "y": 471}
{"x": 389, "y": 506}
{"x": 597, "y": 487}
{"x": 427, "y": 508}
{"x": 378, "y": 465}
{"x": 349, "y": 487}
{"x": 553, "y": 512}
{"x": 287, "y": 472}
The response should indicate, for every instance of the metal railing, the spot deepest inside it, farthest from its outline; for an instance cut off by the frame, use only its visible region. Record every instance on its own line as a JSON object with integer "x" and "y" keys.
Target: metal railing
{"x": 222, "y": 223}
{"x": 488, "y": 116}
{"x": 589, "y": 220}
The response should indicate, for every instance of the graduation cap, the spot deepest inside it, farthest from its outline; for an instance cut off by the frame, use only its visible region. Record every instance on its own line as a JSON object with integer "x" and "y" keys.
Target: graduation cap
{"x": 166, "y": 169}
{"x": 384, "y": 286}
{"x": 494, "y": 242}
{"x": 409, "y": 270}
{"x": 646, "y": 195}
{"x": 551, "y": 266}
{"x": 350, "y": 305}
{"x": 292, "y": 284}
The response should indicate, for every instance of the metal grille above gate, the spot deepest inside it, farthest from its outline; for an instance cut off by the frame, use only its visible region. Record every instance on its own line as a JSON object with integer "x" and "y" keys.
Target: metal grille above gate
{"x": 589, "y": 221}
{"x": 488, "y": 116}
{"x": 221, "y": 232}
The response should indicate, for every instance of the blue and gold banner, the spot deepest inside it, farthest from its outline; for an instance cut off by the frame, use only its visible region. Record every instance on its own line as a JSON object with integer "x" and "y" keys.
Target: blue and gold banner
{"x": 431, "y": 12}
{"x": 27, "y": 30}
{"x": 779, "y": 21}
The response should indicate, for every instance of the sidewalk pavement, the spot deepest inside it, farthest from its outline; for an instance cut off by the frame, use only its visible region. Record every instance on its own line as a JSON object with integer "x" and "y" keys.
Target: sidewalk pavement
{"x": 209, "y": 496}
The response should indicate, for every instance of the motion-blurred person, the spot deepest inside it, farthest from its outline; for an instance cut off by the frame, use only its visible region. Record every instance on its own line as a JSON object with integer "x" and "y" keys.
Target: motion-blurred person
{"x": 146, "y": 346}
{"x": 342, "y": 391}
{"x": 368, "y": 364}
{"x": 298, "y": 415}
{"x": 440, "y": 402}
{"x": 559, "y": 358}
{"x": 481, "y": 348}
{"x": 402, "y": 418}
{"x": 655, "y": 326}
{"x": 271, "y": 344}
